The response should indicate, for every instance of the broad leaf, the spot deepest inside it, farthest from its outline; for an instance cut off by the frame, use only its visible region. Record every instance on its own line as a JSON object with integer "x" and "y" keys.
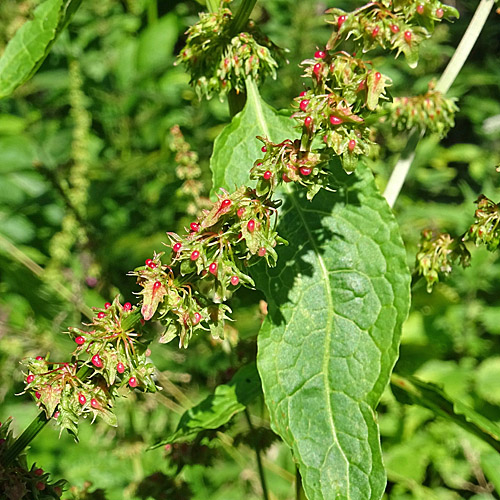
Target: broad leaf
{"x": 336, "y": 301}
{"x": 413, "y": 390}
{"x": 236, "y": 148}
{"x": 32, "y": 42}
{"x": 219, "y": 408}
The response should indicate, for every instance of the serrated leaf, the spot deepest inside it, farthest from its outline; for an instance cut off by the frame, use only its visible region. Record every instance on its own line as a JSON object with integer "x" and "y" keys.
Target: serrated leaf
{"x": 432, "y": 397}
{"x": 219, "y": 408}
{"x": 337, "y": 299}
{"x": 32, "y": 42}
{"x": 236, "y": 148}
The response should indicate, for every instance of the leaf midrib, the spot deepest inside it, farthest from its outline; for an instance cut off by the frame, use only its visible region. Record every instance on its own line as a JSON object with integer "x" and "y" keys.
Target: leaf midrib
{"x": 328, "y": 326}
{"x": 253, "y": 96}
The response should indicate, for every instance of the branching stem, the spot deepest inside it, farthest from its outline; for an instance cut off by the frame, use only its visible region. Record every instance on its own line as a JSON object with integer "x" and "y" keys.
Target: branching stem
{"x": 456, "y": 63}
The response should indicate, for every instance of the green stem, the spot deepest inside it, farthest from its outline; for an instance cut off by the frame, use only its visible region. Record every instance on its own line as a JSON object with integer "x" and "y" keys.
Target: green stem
{"x": 24, "y": 439}
{"x": 456, "y": 63}
{"x": 259, "y": 460}
{"x": 241, "y": 18}
{"x": 213, "y": 5}
{"x": 152, "y": 12}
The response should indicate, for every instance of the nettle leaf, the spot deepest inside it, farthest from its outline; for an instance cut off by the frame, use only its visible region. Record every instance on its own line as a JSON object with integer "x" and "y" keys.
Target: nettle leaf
{"x": 217, "y": 409}
{"x": 336, "y": 301}
{"x": 32, "y": 42}
{"x": 236, "y": 148}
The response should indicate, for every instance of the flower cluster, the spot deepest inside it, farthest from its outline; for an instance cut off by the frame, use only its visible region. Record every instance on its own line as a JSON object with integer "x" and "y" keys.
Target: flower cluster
{"x": 17, "y": 480}
{"x": 207, "y": 264}
{"x": 219, "y": 60}
{"x": 115, "y": 355}
{"x": 486, "y": 226}
{"x": 344, "y": 92}
{"x": 431, "y": 111}
{"x": 436, "y": 254}
{"x": 400, "y": 25}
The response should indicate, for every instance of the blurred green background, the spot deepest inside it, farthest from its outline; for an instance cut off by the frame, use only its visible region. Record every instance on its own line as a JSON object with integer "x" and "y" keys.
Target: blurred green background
{"x": 89, "y": 186}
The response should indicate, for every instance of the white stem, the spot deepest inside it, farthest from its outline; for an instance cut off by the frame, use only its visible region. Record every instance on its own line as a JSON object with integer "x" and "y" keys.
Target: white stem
{"x": 456, "y": 63}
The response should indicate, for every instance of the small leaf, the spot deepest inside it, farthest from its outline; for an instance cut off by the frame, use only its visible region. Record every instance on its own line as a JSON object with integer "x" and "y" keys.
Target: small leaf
{"x": 151, "y": 299}
{"x": 32, "y": 42}
{"x": 218, "y": 409}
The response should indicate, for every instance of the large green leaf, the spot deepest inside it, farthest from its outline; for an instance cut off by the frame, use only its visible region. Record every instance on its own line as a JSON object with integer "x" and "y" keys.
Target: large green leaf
{"x": 336, "y": 301}
{"x": 32, "y": 42}
{"x": 217, "y": 409}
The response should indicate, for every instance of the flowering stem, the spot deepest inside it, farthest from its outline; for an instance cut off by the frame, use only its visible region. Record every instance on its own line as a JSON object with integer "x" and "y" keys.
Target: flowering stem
{"x": 456, "y": 63}
{"x": 24, "y": 439}
{"x": 259, "y": 460}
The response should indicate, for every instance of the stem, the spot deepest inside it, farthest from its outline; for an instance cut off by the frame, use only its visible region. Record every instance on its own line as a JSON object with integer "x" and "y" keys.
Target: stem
{"x": 213, "y": 5}
{"x": 241, "y": 17}
{"x": 456, "y": 63}
{"x": 152, "y": 12}
{"x": 24, "y": 439}
{"x": 259, "y": 460}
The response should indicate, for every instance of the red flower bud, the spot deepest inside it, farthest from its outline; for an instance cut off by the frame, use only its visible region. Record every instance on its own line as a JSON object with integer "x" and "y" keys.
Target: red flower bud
{"x": 213, "y": 268}
{"x": 97, "y": 361}
{"x": 127, "y": 306}
{"x": 235, "y": 280}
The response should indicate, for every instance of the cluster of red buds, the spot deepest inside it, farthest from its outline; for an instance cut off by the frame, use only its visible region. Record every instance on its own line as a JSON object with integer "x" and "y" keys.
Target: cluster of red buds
{"x": 430, "y": 111}
{"x": 486, "y": 226}
{"x": 436, "y": 255}
{"x": 399, "y": 25}
{"x": 17, "y": 480}
{"x": 344, "y": 92}
{"x": 115, "y": 355}
{"x": 288, "y": 162}
{"x": 220, "y": 61}
{"x": 207, "y": 264}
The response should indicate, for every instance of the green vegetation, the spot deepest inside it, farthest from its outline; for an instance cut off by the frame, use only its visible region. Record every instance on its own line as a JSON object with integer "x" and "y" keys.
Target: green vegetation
{"x": 105, "y": 147}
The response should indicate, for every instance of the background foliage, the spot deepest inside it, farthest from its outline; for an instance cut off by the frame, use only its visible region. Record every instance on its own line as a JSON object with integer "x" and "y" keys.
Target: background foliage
{"x": 89, "y": 185}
